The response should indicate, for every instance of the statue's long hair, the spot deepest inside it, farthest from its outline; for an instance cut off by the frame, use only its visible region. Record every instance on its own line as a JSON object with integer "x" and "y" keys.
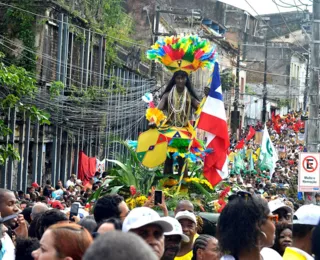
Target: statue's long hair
{"x": 172, "y": 82}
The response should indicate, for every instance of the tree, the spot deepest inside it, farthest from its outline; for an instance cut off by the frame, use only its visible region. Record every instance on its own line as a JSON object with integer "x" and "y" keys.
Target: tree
{"x": 15, "y": 84}
{"x": 227, "y": 80}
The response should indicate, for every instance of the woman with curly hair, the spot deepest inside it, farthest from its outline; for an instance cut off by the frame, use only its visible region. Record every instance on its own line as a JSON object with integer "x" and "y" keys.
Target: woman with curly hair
{"x": 245, "y": 227}
{"x": 283, "y": 237}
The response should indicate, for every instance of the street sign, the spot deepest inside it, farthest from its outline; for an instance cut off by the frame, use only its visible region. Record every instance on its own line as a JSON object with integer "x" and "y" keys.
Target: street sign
{"x": 309, "y": 173}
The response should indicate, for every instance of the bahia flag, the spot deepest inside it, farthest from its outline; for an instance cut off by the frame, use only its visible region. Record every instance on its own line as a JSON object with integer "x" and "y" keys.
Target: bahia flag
{"x": 213, "y": 121}
{"x": 268, "y": 154}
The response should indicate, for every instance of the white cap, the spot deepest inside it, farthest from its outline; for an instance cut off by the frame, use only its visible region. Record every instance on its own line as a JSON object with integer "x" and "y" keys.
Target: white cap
{"x": 278, "y": 204}
{"x": 249, "y": 185}
{"x": 139, "y": 217}
{"x": 177, "y": 229}
{"x": 186, "y": 215}
{"x": 307, "y": 215}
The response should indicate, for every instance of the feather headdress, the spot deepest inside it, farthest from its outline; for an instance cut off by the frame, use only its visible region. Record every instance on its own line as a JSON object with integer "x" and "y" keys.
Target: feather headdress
{"x": 186, "y": 53}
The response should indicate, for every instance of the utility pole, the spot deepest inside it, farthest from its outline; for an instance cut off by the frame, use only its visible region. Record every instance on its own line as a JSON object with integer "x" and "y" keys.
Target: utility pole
{"x": 235, "y": 114}
{"x": 155, "y": 38}
{"x": 306, "y": 88}
{"x": 312, "y": 129}
{"x": 265, "y": 91}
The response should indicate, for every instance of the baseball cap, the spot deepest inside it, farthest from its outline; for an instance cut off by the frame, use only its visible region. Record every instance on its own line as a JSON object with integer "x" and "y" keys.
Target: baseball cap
{"x": 142, "y": 216}
{"x": 35, "y": 185}
{"x": 57, "y": 205}
{"x": 177, "y": 229}
{"x": 307, "y": 215}
{"x": 278, "y": 204}
{"x": 186, "y": 215}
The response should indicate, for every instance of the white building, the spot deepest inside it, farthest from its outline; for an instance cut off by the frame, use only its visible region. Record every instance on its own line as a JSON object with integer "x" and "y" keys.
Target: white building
{"x": 298, "y": 71}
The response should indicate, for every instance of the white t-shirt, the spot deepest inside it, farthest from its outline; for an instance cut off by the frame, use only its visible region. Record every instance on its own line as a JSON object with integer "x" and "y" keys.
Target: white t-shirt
{"x": 266, "y": 253}
{"x": 9, "y": 249}
{"x": 70, "y": 183}
{"x": 270, "y": 254}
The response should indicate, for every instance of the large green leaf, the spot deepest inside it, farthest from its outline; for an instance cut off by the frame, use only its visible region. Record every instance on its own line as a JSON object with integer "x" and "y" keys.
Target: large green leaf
{"x": 203, "y": 190}
{"x": 125, "y": 173}
{"x": 115, "y": 189}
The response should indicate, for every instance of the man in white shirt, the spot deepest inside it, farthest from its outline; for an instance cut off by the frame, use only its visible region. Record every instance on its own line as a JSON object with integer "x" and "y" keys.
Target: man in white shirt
{"x": 71, "y": 181}
{"x": 305, "y": 220}
{"x": 7, "y": 249}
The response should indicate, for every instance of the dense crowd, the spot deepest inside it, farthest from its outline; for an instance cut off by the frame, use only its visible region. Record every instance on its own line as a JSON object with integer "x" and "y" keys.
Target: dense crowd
{"x": 38, "y": 225}
{"x": 264, "y": 217}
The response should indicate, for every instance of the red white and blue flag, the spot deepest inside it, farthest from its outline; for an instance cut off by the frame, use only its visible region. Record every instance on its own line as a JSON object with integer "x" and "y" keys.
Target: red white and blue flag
{"x": 213, "y": 120}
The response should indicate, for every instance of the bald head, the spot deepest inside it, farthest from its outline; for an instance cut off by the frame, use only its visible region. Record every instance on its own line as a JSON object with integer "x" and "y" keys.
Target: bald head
{"x": 184, "y": 205}
{"x": 37, "y": 209}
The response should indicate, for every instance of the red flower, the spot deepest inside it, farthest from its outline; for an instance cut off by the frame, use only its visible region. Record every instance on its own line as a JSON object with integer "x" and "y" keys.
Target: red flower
{"x": 224, "y": 193}
{"x": 223, "y": 204}
{"x": 133, "y": 190}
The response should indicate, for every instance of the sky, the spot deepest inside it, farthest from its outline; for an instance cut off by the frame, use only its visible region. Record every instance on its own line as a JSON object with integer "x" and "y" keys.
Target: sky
{"x": 268, "y": 6}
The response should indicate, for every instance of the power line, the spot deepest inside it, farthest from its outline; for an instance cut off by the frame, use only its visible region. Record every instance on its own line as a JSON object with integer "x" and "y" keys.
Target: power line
{"x": 259, "y": 16}
{"x": 288, "y": 27}
{"x": 77, "y": 26}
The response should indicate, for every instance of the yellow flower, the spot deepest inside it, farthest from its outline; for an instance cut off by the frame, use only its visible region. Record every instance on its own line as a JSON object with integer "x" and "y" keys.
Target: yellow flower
{"x": 141, "y": 200}
{"x": 170, "y": 182}
{"x": 205, "y": 182}
{"x": 216, "y": 205}
{"x": 155, "y": 115}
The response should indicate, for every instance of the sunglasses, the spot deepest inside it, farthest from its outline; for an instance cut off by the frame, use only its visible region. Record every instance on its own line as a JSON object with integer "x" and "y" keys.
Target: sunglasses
{"x": 274, "y": 218}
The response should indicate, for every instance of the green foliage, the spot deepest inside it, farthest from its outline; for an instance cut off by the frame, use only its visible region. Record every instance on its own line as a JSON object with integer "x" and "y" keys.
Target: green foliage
{"x": 55, "y": 89}
{"x": 105, "y": 17}
{"x": 17, "y": 83}
{"x": 283, "y": 102}
{"x": 227, "y": 80}
{"x": 37, "y": 115}
{"x": 4, "y": 130}
{"x": 127, "y": 172}
{"x": 21, "y": 25}
{"x": 8, "y": 151}
{"x": 249, "y": 90}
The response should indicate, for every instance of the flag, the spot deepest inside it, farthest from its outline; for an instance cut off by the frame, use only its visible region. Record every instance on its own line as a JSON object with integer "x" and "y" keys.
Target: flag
{"x": 213, "y": 121}
{"x": 100, "y": 165}
{"x": 240, "y": 144}
{"x": 239, "y": 165}
{"x": 86, "y": 167}
{"x": 251, "y": 133}
{"x": 268, "y": 154}
{"x": 251, "y": 166}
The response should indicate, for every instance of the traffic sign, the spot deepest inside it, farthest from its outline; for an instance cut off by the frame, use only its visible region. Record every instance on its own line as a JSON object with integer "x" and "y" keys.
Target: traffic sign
{"x": 309, "y": 173}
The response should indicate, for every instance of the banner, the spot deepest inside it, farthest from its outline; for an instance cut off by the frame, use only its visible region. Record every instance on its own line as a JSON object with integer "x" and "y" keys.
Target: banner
{"x": 268, "y": 154}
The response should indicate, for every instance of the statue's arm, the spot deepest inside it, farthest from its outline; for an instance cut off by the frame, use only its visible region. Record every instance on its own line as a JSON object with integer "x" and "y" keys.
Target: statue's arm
{"x": 195, "y": 103}
{"x": 163, "y": 102}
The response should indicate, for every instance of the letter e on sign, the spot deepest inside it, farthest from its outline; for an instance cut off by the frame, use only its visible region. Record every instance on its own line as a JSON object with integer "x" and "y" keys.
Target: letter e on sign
{"x": 310, "y": 164}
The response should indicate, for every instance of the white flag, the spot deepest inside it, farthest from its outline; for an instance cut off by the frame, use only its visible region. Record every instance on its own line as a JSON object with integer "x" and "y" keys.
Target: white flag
{"x": 268, "y": 154}
{"x": 100, "y": 165}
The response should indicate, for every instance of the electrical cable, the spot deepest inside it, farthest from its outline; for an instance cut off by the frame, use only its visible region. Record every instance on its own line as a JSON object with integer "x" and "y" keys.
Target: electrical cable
{"x": 76, "y": 26}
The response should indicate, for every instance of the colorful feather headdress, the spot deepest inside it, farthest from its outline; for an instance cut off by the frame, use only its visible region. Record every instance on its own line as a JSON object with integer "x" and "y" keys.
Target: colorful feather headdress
{"x": 186, "y": 53}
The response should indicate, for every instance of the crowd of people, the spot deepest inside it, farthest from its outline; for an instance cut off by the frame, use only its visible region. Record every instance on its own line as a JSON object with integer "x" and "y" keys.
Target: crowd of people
{"x": 249, "y": 227}
{"x": 264, "y": 217}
